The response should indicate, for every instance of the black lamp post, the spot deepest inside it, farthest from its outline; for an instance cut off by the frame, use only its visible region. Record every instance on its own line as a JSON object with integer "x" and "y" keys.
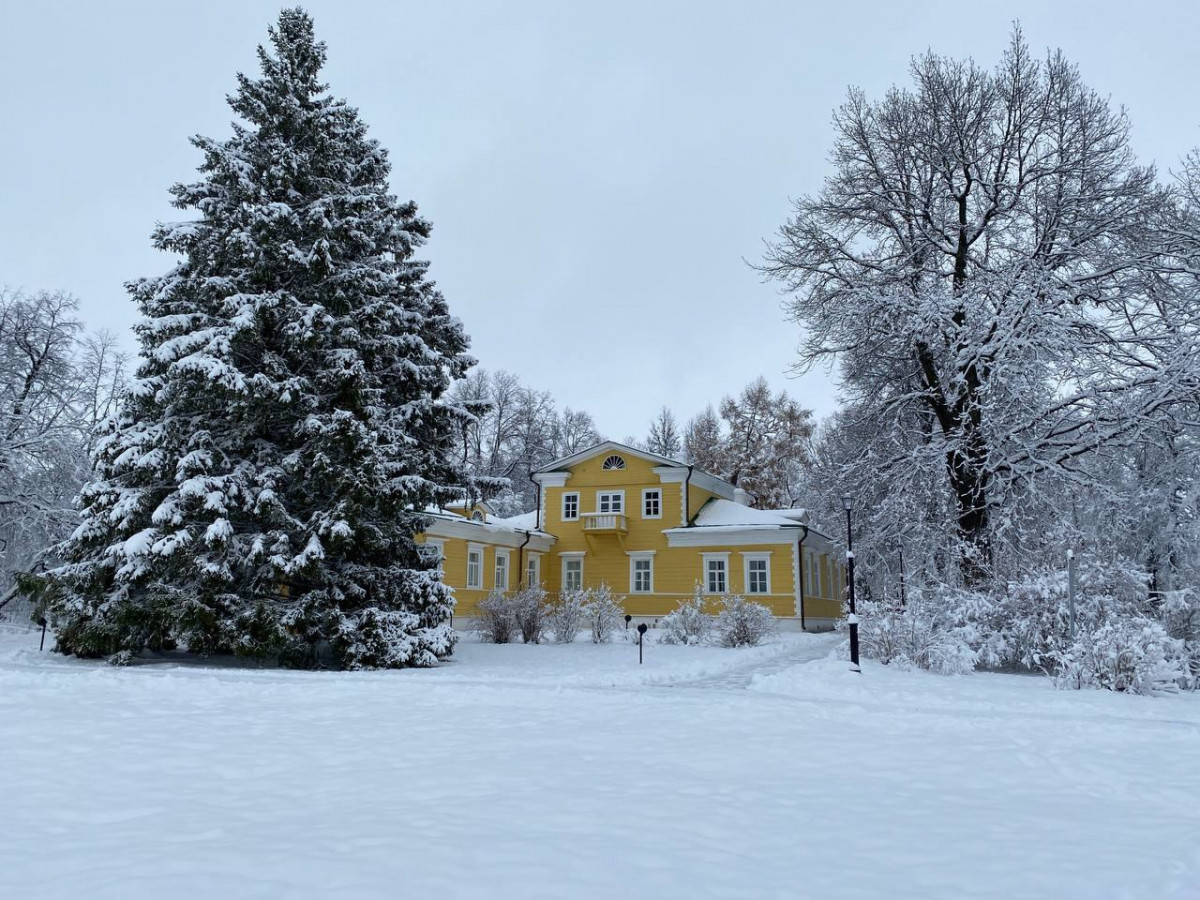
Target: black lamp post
{"x": 848, "y": 503}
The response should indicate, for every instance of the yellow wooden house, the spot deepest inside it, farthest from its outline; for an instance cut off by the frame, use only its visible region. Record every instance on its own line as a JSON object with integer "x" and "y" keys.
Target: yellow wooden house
{"x": 649, "y": 527}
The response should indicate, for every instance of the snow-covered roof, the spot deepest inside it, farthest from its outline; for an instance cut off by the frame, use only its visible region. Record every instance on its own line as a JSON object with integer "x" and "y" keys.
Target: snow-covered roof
{"x": 524, "y": 522}
{"x": 717, "y": 513}
{"x": 724, "y": 517}
{"x": 465, "y": 504}
{"x": 796, "y": 514}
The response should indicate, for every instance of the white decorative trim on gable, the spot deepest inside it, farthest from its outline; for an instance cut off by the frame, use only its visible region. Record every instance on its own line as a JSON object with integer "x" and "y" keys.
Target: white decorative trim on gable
{"x": 607, "y": 448}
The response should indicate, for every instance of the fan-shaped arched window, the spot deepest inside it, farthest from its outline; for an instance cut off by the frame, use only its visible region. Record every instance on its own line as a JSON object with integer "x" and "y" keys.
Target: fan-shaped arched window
{"x": 614, "y": 462}
{"x": 477, "y": 516}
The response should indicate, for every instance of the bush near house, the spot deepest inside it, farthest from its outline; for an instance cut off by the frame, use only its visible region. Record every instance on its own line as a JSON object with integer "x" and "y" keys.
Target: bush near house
{"x": 743, "y": 623}
{"x": 497, "y": 618}
{"x": 529, "y": 613}
{"x": 688, "y": 623}
{"x": 567, "y": 615}
{"x": 605, "y": 614}
{"x": 529, "y": 609}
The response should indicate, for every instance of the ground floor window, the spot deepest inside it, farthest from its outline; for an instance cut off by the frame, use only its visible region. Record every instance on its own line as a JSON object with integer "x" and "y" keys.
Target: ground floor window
{"x": 533, "y": 571}
{"x": 758, "y": 575}
{"x": 641, "y": 574}
{"x": 501, "y": 582}
{"x": 573, "y": 574}
{"x": 475, "y": 567}
{"x": 716, "y": 574}
{"x": 814, "y": 575}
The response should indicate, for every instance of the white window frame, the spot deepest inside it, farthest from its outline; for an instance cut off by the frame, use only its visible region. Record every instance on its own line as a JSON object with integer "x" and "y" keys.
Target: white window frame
{"x": 814, "y": 574}
{"x": 575, "y": 496}
{"x": 533, "y": 570}
{"x": 497, "y": 568}
{"x": 747, "y": 558}
{"x": 600, "y": 500}
{"x": 476, "y": 583}
{"x": 634, "y": 558}
{"x": 723, "y": 559}
{"x": 567, "y": 560}
{"x": 657, "y": 492}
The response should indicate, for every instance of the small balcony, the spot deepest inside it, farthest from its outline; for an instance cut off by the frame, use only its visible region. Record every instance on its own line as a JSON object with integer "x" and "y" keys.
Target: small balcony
{"x": 605, "y": 523}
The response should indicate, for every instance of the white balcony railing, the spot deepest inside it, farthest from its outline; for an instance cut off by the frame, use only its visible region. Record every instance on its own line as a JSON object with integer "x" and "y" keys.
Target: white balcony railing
{"x": 605, "y": 522}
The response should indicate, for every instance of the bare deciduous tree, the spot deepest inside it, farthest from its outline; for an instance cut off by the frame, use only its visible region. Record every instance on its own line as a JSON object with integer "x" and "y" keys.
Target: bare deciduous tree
{"x": 56, "y": 386}
{"x": 969, "y": 264}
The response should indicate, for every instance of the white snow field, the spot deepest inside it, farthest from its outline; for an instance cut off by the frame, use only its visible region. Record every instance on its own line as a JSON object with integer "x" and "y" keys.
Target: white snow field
{"x": 570, "y": 772}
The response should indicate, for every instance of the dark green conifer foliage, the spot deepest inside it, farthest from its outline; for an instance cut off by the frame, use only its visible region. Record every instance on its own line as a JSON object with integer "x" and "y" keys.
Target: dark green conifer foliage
{"x": 290, "y": 422}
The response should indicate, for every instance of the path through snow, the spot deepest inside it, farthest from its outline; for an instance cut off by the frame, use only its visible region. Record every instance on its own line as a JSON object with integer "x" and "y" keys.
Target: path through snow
{"x": 739, "y": 677}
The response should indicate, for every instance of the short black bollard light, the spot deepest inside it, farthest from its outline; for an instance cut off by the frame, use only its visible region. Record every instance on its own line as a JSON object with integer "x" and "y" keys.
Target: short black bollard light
{"x": 641, "y": 634}
{"x": 42, "y": 621}
{"x": 628, "y": 619}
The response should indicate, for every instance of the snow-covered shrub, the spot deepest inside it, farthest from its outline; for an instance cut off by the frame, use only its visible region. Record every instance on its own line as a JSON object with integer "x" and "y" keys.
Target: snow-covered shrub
{"x": 1025, "y": 624}
{"x": 604, "y": 614}
{"x": 743, "y": 623}
{"x": 688, "y": 623}
{"x": 567, "y": 615}
{"x": 1122, "y": 642}
{"x": 913, "y": 637}
{"x": 529, "y": 613}
{"x": 1129, "y": 654}
{"x": 1180, "y": 614}
{"x": 497, "y": 618}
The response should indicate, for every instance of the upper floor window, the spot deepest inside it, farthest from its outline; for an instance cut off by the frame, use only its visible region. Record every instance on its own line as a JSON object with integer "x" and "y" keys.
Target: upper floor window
{"x": 610, "y": 501}
{"x": 477, "y": 516}
{"x": 652, "y": 503}
{"x": 570, "y": 509}
{"x": 613, "y": 462}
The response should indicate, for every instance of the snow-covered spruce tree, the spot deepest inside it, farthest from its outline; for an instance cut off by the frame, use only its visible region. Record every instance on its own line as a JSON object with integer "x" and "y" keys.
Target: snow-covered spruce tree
{"x": 261, "y": 490}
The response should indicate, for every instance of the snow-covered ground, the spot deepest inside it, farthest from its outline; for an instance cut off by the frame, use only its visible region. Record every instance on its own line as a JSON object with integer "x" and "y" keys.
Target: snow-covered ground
{"x": 553, "y": 772}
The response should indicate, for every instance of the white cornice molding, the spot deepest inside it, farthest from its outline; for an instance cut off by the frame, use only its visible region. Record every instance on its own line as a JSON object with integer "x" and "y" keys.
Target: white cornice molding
{"x": 552, "y": 479}
{"x": 700, "y": 537}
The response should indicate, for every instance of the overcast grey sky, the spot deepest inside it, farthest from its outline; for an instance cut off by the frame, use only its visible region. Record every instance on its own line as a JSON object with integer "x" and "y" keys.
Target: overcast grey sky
{"x": 595, "y": 173}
